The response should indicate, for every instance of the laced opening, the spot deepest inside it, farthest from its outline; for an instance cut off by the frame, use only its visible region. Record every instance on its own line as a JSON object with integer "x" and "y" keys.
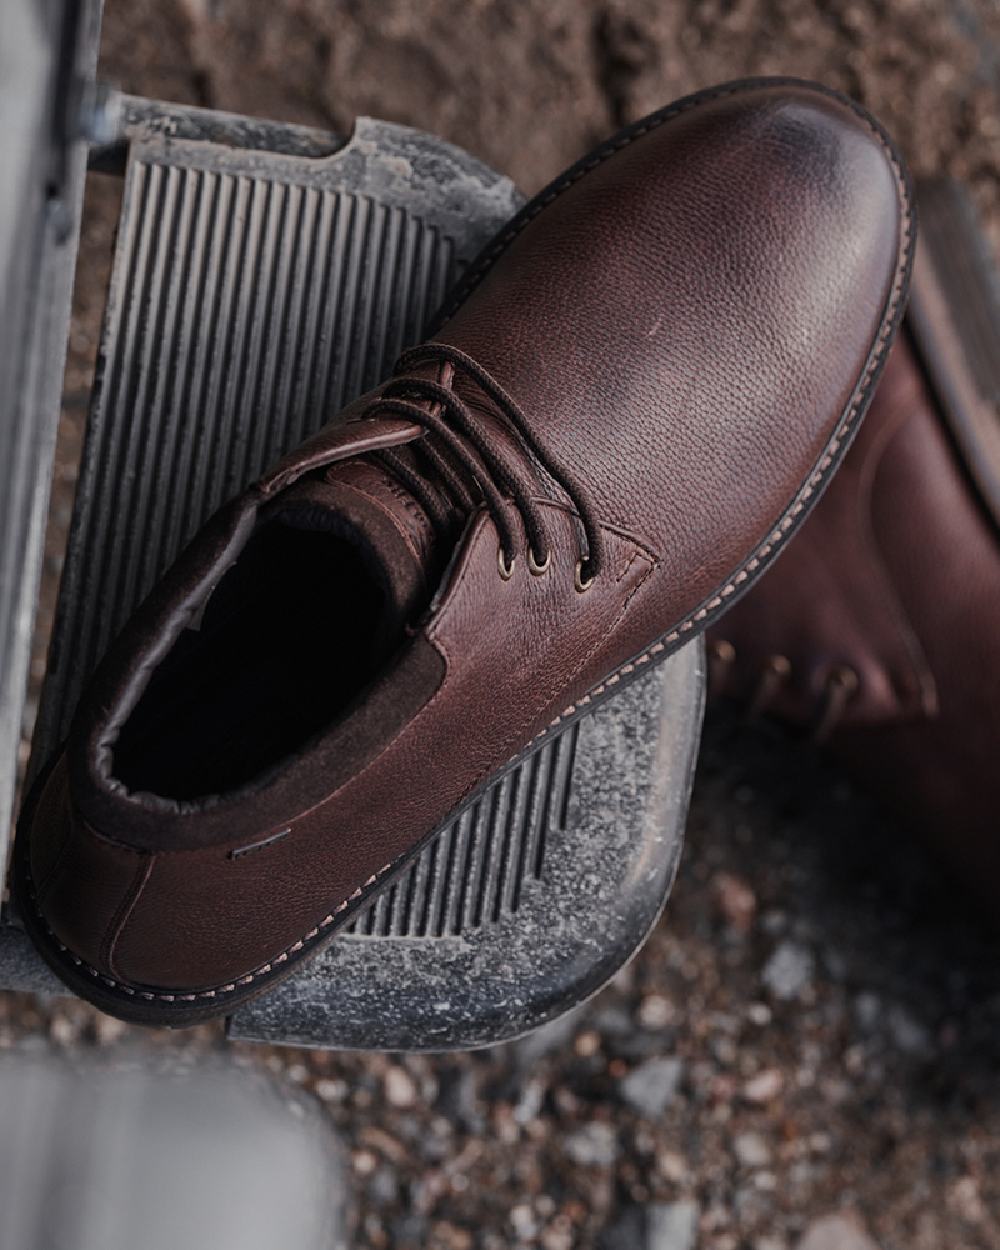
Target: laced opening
{"x": 462, "y": 453}
{"x": 841, "y": 685}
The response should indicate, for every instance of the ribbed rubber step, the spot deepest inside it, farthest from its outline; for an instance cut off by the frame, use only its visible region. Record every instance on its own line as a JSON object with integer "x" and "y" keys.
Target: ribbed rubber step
{"x": 476, "y": 871}
{"x": 252, "y": 295}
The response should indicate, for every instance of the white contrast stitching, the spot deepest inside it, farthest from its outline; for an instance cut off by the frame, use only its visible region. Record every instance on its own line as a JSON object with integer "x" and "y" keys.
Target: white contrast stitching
{"x": 159, "y": 996}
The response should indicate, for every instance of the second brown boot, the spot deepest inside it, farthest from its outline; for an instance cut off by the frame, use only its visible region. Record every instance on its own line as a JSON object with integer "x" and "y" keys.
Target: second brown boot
{"x": 880, "y": 629}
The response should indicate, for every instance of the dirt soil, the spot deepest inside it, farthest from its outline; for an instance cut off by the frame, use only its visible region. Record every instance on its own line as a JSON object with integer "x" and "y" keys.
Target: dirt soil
{"x": 806, "y": 1053}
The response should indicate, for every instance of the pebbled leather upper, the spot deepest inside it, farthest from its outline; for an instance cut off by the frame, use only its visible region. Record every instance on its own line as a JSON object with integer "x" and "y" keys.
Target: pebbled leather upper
{"x": 692, "y": 321}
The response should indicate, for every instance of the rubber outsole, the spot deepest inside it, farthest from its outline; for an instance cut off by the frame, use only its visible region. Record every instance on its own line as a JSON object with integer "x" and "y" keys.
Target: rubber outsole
{"x": 158, "y": 1007}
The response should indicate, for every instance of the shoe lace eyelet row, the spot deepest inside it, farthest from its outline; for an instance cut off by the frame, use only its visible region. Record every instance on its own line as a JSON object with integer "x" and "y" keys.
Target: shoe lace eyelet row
{"x": 468, "y": 464}
{"x": 538, "y": 568}
{"x": 841, "y": 685}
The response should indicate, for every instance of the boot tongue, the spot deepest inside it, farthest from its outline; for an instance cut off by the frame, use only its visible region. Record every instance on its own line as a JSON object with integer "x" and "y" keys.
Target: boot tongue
{"x": 362, "y": 503}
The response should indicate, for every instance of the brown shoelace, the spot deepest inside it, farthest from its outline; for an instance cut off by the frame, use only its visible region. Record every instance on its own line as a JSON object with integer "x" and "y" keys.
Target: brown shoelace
{"x": 463, "y": 461}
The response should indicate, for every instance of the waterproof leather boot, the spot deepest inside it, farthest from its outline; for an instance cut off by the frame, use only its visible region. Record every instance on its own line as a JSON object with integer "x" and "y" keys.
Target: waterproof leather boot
{"x": 628, "y": 407}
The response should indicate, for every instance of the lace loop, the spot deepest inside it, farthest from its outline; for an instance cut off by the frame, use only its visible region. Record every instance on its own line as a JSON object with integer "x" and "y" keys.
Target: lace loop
{"x": 461, "y": 448}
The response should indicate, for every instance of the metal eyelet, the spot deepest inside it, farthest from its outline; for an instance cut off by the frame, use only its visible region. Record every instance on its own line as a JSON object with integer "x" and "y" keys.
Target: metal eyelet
{"x": 721, "y": 660}
{"x": 845, "y": 678}
{"x": 775, "y": 672}
{"x": 538, "y": 568}
{"x": 722, "y": 650}
{"x": 506, "y": 570}
{"x": 583, "y": 583}
{"x": 779, "y": 665}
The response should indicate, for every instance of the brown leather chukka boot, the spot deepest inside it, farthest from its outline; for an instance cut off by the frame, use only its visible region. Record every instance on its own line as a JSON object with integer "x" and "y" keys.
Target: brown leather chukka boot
{"x": 629, "y": 406}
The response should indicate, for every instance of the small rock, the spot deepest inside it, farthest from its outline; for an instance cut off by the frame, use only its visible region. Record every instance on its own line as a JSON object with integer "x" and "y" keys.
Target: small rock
{"x": 735, "y": 900}
{"x": 672, "y": 1165}
{"x": 530, "y": 1102}
{"x": 384, "y": 1187}
{"x": 724, "y": 1050}
{"x": 752, "y": 1150}
{"x": 400, "y": 1090}
{"x": 764, "y": 1087}
{"x": 613, "y": 1021}
{"x": 910, "y": 1036}
{"x": 62, "y": 1030}
{"x": 749, "y": 1204}
{"x": 593, "y": 1145}
{"x": 789, "y": 970}
{"x": 655, "y": 1012}
{"x": 523, "y": 1220}
{"x": 964, "y": 1198}
{"x": 450, "y": 1236}
{"x": 108, "y": 1030}
{"x": 759, "y": 1014}
{"x": 331, "y": 1090}
{"x": 364, "y": 1162}
{"x": 587, "y": 1043}
{"x": 672, "y": 1226}
{"x": 836, "y": 1232}
{"x": 558, "y": 1236}
{"x": 458, "y": 1099}
{"x": 868, "y": 1010}
{"x": 774, "y": 921}
{"x": 651, "y": 1086}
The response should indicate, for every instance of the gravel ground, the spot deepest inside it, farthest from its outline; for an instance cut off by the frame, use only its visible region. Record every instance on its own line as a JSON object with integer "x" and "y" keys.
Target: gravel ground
{"x": 803, "y": 1057}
